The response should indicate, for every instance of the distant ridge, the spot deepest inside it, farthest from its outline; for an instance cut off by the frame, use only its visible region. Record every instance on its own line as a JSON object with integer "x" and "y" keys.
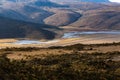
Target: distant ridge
{"x": 94, "y": 0}
{"x": 80, "y": 1}
{"x": 40, "y": 3}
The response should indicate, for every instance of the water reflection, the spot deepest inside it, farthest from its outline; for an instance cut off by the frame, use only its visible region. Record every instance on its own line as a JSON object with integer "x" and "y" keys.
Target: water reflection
{"x": 77, "y": 34}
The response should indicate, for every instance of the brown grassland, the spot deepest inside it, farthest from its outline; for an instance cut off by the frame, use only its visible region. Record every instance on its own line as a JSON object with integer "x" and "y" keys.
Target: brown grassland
{"x": 68, "y": 62}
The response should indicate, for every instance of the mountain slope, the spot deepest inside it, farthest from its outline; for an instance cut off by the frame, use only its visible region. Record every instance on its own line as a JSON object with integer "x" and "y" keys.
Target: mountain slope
{"x": 46, "y": 3}
{"x": 41, "y": 3}
{"x": 32, "y": 11}
{"x": 62, "y": 18}
{"x": 10, "y": 28}
{"x": 99, "y": 20}
{"x": 83, "y": 13}
{"x": 33, "y": 14}
{"x": 24, "y": 12}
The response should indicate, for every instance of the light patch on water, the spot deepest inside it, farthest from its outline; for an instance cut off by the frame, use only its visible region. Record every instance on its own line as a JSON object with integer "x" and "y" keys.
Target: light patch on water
{"x": 27, "y": 42}
{"x": 23, "y": 42}
{"x": 77, "y": 34}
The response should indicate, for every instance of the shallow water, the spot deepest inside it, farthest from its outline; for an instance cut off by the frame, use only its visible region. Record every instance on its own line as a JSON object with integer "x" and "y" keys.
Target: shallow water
{"x": 22, "y": 42}
{"x": 67, "y": 35}
{"x": 78, "y": 34}
{"x": 27, "y": 42}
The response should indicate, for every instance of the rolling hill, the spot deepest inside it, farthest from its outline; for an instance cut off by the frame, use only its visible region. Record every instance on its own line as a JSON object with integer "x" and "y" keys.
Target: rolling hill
{"x": 99, "y": 20}
{"x": 31, "y": 11}
{"x": 10, "y": 28}
{"x": 62, "y": 18}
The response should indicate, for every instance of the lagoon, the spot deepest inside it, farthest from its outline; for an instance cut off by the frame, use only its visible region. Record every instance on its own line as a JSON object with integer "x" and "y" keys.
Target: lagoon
{"x": 78, "y": 34}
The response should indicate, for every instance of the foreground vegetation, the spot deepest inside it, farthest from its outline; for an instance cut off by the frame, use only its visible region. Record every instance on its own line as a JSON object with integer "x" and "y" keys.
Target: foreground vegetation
{"x": 74, "y": 66}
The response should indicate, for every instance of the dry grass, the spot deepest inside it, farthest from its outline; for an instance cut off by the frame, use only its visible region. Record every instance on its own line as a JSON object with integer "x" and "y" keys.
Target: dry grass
{"x": 18, "y": 55}
{"x": 7, "y": 40}
{"x": 41, "y": 53}
{"x": 83, "y": 39}
{"x": 86, "y": 39}
{"x": 107, "y": 49}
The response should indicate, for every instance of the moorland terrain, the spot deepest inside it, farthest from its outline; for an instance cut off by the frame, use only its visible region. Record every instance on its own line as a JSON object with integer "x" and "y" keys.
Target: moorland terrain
{"x": 32, "y": 19}
{"x": 59, "y": 40}
{"x": 86, "y": 62}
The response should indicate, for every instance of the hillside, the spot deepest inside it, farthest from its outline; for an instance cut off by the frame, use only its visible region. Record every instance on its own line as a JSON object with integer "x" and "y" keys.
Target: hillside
{"x": 75, "y": 62}
{"x": 79, "y": 15}
{"x": 10, "y": 28}
{"x": 25, "y": 13}
{"x": 91, "y": 16}
{"x": 46, "y": 3}
{"x": 62, "y": 18}
{"x": 32, "y": 11}
{"x": 99, "y": 20}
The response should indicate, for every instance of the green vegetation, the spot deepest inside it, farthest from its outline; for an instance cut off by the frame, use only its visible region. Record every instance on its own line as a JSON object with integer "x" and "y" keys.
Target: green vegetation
{"x": 74, "y": 66}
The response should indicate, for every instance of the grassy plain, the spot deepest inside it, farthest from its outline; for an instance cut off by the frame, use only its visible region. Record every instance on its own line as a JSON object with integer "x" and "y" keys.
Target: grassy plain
{"x": 74, "y": 62}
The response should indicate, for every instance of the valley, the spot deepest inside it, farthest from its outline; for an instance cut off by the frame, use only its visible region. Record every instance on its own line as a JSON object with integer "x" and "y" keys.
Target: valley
{"x": 44, "y": 23}
{"x": 75, "y": 16}
{"x": 59, "y": 40}
{"x": 88, "y": 37}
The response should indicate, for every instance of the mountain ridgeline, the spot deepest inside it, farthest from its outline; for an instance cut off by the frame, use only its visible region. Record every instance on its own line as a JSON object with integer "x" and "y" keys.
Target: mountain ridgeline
{"x": 80, "y": 0}
{"x": 95, "y": 0}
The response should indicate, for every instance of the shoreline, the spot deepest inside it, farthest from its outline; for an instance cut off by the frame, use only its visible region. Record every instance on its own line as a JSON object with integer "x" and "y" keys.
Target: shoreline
{"x": 84, "y": 37}
{"x": 63, "y": 42}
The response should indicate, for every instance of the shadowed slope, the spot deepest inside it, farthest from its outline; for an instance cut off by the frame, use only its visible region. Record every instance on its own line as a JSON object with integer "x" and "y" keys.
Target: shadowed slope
{"x": 10, "y": 28}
